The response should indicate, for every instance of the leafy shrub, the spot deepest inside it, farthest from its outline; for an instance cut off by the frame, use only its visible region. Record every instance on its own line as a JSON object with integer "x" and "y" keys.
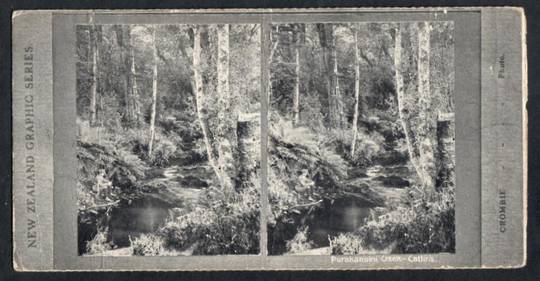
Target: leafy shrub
{"x": 220, "y": 225}
{"x": 381, "y": 230}
{"x": 182, "y": 231}
{"x": 368, "y": 147}
{"x": 199, "y": 150}
{"x": 213, "y": 234}
{"x": 236, "y": 234}
{"x": 300, "y": 242}
{"x": 311, "y": 113}
{"x": 235, "y": 228}
{"x": 336, "y": 139}
{"x": 346, "y": 244}
{"x": 338, "y": 164}
{"x": 98, "y": 244}
{"x": 134, "y": 142}
{"x": 280, "y": 182}
{"x": 299, "y": 135}
{"x": 162, "y": 152}
{"x": 427, "y": 225}
{"x": 147, "y": 245}
{"x": 85, "y": 198}
{"x": 122, "y": 168}
{"x": 288, "y": 155}
{"x": 128, "y": 138}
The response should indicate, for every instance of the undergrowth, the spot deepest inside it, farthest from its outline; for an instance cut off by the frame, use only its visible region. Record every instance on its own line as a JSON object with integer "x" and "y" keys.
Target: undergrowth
{"x": 147, "y": 245}
{"x": 99, "y": 244}
{"x": 423, "y": 226}
{"x": 300, "y": 242}
{"x": 220, "y": 224}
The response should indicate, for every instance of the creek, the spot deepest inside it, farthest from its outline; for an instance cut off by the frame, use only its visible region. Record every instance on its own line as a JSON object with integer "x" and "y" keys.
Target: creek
{"x": 346, "y": 214}
{"x": 174, "y": 187}
{"x": 178, "y": 186}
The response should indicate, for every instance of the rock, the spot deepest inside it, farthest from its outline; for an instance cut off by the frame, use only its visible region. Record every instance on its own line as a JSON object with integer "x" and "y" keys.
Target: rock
{"x": 356, "y": 173}
{"x": 192, "y": 181}
{"x": 392, "y": 158}
{"x": 189, "y": 157}
{"x": 393, "y": 181}
{"x": 401, "y": 170}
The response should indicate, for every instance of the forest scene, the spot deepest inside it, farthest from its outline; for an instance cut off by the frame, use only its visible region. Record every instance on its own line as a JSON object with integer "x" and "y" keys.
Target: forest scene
{"x": 361, "y": 139}
{"x": 168, "y": 140}
{"x": 361, "y": 145}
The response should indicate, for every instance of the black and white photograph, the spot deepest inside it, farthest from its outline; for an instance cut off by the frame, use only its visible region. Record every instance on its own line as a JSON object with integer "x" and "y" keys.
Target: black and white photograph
{"x": 263, "y": 139}
{"x": 361, "y": 146}
{"x": 168, "y": 141}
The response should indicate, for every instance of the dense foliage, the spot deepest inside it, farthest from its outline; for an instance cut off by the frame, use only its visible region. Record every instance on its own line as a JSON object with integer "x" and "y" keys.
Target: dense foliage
{"x": 423, "y": 226}
{"x": 360, "y": 138}
{"x": 355, "y": 149}
{"x": 168, "y": 138}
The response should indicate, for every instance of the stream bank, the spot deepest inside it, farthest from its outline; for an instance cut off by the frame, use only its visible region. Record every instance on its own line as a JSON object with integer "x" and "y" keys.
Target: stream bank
{"x": 345, "y": 214}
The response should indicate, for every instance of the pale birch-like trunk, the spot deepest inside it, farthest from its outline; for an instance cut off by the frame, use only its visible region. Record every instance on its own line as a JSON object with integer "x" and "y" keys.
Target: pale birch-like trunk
{"x": 335, "y": 109}
{"x": 296, "y": 103}
{"x": 428, "y": 141}
{"x": 415, "y": 107}
{"x": 154, "y": 94}
{"x": 126, "y": 60}
{"x": 325, "y": 32}
{"x": 226, "y": 129}
{"x": 337, "y": 92}
{"x": 199, "y": 98}
{"x": 400, "y": 91}
{"x": 94, "y": 85}
{"x": 135, "y": 90}
{"x": 269, "y": 85}
{"x": 356, "y": 92}
{"x": 121, "y": 37}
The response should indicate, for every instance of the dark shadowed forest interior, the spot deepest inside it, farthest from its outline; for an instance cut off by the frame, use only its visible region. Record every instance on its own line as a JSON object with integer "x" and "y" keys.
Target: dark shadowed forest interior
{"x": 361, "y": 138}
{"x": 361, "y": 145}
{"x": 169, "y": 139}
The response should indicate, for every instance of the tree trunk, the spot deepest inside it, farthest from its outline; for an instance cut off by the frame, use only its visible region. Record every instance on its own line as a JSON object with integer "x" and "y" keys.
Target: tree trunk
{"x": 226, "y": 129}
{"x": 249, "y": 145}
{"x": 95, "y": 73}
{"x": 356, "y": 93}
{"x": 134, "y": 91}
{"x": 270, "y": 57}
{"x": 330, "y": 68}
{"x": 446, "y": 150}
{"x": 325, "y": 32}
{"x": 123, "y": 37}
{"x": 428, "y": 132}
{"x": 126, "y": 60}
{"x": 414, "y": 102}
{"x": 400, "y": 91}
{"x": 154, "y": 95}
{"x": 338, "y": 115}
{"x": 199, "y": 98}
{"x": 296, "y": 104}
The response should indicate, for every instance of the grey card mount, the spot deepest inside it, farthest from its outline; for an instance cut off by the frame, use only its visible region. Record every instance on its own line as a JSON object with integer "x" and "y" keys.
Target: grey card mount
{"x": 288, "y": 139}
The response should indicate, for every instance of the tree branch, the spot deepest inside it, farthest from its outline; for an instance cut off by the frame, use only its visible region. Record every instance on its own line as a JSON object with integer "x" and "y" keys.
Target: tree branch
{"x": 162, "y": 57}
{"x": 272, "y": 51}
{"x": 306, "y": 205}
{"x": 365, "y": 57}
